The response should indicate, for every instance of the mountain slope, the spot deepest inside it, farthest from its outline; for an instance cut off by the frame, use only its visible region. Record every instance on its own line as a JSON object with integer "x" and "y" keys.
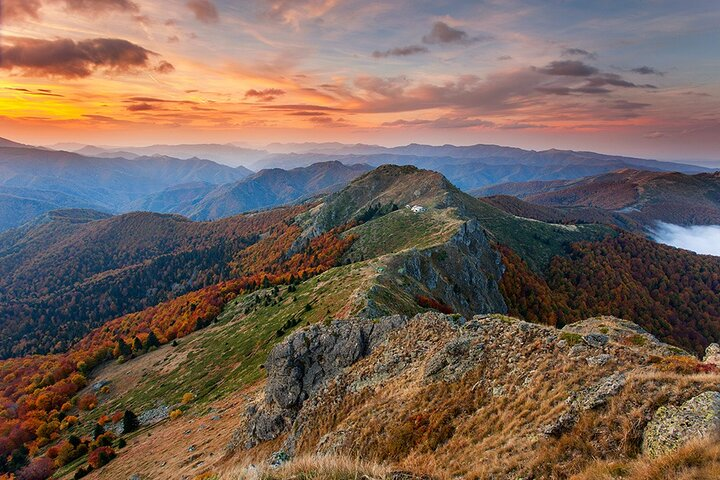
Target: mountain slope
{"x": 106, "y": 183}
{"x": 272, "y": 187}
{"x": 63, "y": 276}
{"x": 645, "y": 196}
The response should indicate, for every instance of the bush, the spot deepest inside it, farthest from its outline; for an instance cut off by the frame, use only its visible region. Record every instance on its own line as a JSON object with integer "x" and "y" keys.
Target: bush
{"x": 130, "y": 422}
{"x": 187, "y": 398}
{"x": 121, "y": 443}
{"x": 87, "y": 402}
{"x": 82, "y": 471}
{"x": 39, "y": 468}
{"x": 175, "y": 414}
{"x": 101, "y": 456}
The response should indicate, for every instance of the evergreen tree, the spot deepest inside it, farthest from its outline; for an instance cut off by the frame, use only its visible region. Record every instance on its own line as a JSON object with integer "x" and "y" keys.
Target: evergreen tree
{"x": 122, "y": 349}
{"x": 97, "y": 431}
{"x": 137, "y": 345}
{"x": 151, "y": 341}
{"x": 130, "y": 422}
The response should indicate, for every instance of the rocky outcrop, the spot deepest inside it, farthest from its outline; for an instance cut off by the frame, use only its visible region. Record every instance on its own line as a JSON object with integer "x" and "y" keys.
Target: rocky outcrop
{"x": 673, "y": 426}
{"x": 464, "y": 273}
{"x": 302, "y": 364}
{"x": 712, "y": 354}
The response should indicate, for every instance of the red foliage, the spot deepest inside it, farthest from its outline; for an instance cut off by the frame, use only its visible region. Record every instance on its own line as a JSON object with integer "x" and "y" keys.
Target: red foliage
{"x": 39, "y": 468}
{"x": 100, "y": 456}
{"x": 427, "y": 302}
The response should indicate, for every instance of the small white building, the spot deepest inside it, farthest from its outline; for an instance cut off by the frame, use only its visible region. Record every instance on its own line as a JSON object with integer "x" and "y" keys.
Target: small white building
{"x": 417, "y": 209}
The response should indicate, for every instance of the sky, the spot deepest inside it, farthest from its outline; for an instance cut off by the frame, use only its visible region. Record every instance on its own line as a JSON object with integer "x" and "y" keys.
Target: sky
{"x": 624, "y": 77}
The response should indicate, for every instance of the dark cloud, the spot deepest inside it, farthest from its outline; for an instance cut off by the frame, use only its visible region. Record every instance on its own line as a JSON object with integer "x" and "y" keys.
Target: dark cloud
{"x": 40, "y": 92}
{"x": 300, "y": 107}
{"x": 140, "y": 107}
{"x": 578, "y": 52}
{"x": 568, "y": 68}
{"x": 504, "y": 57}
{"x": 400, "y": 51}
{"x": 442, "y": 33}
{"x": 645, "y": 70}
{"x": 165, "y": 67}
{"x": 386, "y": 87}
{"x": 69, "y": 59}
{"x": 97, "y": 6}
{"x": 204, "y": 10}
{"x": 625, "y": 105}
{"x": 306, "y": 114}
{"x": 265, "y": 95}
{"x": 614, "y": 80}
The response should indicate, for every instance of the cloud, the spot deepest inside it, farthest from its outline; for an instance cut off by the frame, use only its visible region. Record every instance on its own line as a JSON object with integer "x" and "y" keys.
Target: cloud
{"x": 703, "y": 239}
{"x": 442, "y": 33}
{"x": 442, "y": 122}
{"x": 69, "y": 59}
{"x": 165, "y": 67}
{"x": 614, "y": 80}
{"x": 645, "y": 70}
{"x": 265, "y": 95}
{"x": 654, "y": 135}
{"x": 294, "y": 11}
{"x": 21, "y": 10}
{"x": 400, "y": 51}
{"x": 385, "y": 87}
{"x": 204, "y": 11}
{"x": 568, "y": 68}
{"x": 578, "y": 52}
{"x": 502, "y": 58}
{"x": 140, "y": 107}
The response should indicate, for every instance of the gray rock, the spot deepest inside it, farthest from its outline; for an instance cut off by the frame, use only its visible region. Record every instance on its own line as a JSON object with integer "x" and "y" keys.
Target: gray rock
{"x": 599, "y": 360}
{"x": 598, "y": 395}
{"x": 596, "y": 340}
{"x": 564, "y": 423}
{"x": 673, "y": 426}
{"x": 302, "y": 364}
{"x": 712, "y": 354}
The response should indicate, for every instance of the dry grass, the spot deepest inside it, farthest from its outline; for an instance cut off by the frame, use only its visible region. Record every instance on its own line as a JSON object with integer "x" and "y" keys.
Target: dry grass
{"x": 698, "y": 460}
{"x": 311, "y": 468}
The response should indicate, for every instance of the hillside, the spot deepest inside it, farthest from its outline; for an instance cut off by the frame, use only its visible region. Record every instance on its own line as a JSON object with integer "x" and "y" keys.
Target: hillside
{"x": 66, "y": 275}
{"x": 35, "y": 180}
{"x": 645, "y": 196}
{"x": 357, "y": 256}
{"x": 270, "y": 188}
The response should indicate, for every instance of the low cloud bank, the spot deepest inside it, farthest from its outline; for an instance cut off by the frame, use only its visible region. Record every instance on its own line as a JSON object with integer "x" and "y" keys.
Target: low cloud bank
{"x": 699, "y": 239}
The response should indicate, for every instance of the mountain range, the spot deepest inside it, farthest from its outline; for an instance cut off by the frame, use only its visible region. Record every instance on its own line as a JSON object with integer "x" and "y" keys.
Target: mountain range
{"x": 645, "y": 196}
{"x": 382, "y": 312}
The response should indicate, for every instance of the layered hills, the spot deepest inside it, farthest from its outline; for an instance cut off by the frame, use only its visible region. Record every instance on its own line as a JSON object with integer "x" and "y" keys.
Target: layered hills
{"x": 306, "y": 345}
{"x": 645, "y": 196}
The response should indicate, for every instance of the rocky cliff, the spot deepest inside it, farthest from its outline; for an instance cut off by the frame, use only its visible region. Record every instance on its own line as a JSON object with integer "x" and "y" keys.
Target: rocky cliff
{"x": 491, "y": 396}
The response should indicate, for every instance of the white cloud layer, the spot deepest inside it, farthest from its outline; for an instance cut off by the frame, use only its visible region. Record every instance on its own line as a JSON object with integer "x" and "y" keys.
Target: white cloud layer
{"x": 703, "y": 239}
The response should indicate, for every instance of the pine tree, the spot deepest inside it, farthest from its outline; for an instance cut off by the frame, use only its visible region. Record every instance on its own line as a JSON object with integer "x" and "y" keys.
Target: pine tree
{"x": 130, "y": 422}
{"x": 97, "y": 431}
{"x": 151, "y": 341}
{"x": 137, "y": 345}
{"x": 122, "y": 349}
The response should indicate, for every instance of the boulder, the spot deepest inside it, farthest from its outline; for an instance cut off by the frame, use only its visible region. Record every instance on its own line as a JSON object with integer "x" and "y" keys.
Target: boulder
{"x": 712, "y": 354}
{"x": 673, "y": 426}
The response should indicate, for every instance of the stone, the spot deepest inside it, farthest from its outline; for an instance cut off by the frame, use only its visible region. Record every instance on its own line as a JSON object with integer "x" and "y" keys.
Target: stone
{"x": 596, "y": 340}
{"x": 599, "y": 360}
{"x": 564, "y": 423}
{"x": 673, "y": 426}
{"x": 598, "y": 395}
{"x": 712, "y": 354}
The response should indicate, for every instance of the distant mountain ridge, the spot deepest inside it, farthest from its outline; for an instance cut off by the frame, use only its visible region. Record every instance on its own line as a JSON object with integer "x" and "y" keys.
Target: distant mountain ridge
{"x": 265, "y": 189}
{"x": 647, "y": 197}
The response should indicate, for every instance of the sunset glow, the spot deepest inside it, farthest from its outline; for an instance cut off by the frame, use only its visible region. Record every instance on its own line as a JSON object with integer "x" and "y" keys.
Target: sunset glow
{"x": 613, "y": 77}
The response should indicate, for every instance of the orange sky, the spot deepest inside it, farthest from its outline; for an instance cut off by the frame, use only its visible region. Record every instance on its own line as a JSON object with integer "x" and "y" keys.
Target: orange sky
{"x": 641, "y": 78}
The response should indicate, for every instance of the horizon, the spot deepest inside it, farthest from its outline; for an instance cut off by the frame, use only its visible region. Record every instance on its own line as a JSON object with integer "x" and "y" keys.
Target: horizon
{"x": 631, "y": 80}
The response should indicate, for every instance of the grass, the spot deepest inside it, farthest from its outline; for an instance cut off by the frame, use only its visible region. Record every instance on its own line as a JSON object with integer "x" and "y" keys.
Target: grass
{"x": 313, "y": 468}
{"x": 403, "y": 229}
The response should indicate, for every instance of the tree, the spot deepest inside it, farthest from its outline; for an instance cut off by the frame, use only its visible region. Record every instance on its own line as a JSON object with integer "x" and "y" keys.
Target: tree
{"x": 130, "y": 422}
{"x": 122, "y": 349}
{"x": 151, "y": 341}
{"x": 97, "y": 431}
{"x": 137, "y": 345}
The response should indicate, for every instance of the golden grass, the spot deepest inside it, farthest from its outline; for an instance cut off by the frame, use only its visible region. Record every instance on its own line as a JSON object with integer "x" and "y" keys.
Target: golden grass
{"x": 698, "y": 460}
{"x": 324, "y": 467}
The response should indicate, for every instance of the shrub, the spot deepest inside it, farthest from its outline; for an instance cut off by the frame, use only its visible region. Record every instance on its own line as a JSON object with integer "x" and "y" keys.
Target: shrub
{"x": 427, "y": 302}
{"x": 39, "y": 468}
{"x": 82, "y": 471}
{"x": 130, "y": 422}
{"x": 187, "y": 398}
{"x": 571, "y": 338}
{"x": 87, "y": 402}
{"x": 175, "y": 414}
{"x": 101, "y": 456}
{"x": 679, "y": 364}
{"x": 121, "y": 443}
